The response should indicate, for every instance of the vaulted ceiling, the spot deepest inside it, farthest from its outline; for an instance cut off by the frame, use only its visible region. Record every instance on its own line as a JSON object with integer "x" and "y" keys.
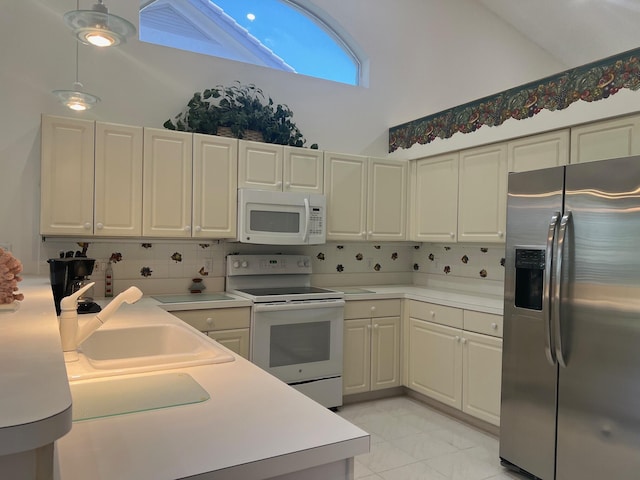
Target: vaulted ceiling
{"x": 575, "y": 32}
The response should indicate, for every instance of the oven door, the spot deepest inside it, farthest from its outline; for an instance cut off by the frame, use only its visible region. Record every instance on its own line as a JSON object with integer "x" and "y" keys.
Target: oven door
{"x": 298, "y": 341}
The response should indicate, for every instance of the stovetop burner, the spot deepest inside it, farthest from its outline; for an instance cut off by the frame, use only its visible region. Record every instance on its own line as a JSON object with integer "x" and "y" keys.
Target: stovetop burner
{"x": 259, "y": 292}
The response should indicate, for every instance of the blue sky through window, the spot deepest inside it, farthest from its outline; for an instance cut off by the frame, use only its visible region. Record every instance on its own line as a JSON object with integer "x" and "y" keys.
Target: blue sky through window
{"x": 294, "y": 37}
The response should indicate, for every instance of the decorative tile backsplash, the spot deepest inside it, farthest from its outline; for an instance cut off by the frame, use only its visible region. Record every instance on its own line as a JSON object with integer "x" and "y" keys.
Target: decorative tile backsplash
{"x": 460, "y": 260}
{"x": 169, "y": 266}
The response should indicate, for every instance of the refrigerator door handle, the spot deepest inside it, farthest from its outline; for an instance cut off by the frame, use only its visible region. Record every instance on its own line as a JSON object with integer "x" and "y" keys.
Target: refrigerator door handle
{"x": 549, "y": 349}
{"x": 557, "y": 289}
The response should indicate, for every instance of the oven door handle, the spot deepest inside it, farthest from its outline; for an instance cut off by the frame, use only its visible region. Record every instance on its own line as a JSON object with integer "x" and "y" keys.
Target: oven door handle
{"x": 272, "y": 307}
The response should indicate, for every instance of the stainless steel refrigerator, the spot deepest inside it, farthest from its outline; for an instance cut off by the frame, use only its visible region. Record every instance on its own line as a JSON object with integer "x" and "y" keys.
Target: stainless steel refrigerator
{"x": 571, "y": 354}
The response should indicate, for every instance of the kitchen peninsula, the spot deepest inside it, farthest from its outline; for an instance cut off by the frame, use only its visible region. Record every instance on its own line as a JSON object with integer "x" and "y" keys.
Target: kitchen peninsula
{"x": 252, "y": 427}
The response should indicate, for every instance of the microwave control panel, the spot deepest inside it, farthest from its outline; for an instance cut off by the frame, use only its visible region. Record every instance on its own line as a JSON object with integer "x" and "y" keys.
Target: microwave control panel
{"x": 316, "y": 226}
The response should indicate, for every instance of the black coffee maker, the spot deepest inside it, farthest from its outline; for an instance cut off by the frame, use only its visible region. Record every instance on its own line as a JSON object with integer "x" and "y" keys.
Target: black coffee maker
{"x": 68, "y": 275}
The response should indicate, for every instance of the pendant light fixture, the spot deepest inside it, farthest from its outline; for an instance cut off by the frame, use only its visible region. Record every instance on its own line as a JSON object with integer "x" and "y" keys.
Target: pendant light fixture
{"x": 98, "y": 27}
{"x": 76, "y": 99}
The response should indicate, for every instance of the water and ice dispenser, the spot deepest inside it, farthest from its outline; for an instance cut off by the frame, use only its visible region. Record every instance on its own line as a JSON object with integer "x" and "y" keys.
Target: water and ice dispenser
{"x": 530, "y": 266}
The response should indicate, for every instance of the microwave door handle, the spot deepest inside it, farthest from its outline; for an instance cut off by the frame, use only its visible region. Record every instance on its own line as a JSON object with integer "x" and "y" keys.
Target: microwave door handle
{"x": 549, "y": 349}
{"x": 307, "y": 220}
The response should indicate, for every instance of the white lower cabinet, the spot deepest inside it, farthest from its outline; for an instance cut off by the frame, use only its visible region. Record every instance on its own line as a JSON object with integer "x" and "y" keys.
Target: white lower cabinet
{"x": 227, "y": 326}
{"x": 371, "y": 346}
{"x": 453, "y": 365}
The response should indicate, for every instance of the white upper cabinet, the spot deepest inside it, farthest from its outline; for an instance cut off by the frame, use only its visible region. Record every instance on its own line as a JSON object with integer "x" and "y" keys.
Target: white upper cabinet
{"x": 387, "y": 199}
{"x": 345, "y": 185}
{"x": 167, "y": 183}
{"x": 118, "y": 180}
{"x": 482, "y": 194}
{"x": 215, "y": 182}
{"x": 266, "y": 166}
{"x": 366, "y": 197}
{"x": 539, "y": 151}
{"x": 67, "y": 171}
{"x": 434, "y": 194}
{"x": 608, "y": 139}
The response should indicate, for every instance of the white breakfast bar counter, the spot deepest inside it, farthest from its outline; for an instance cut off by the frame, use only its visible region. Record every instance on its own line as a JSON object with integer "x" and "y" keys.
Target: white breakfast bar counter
{"x": 252, "y": 427}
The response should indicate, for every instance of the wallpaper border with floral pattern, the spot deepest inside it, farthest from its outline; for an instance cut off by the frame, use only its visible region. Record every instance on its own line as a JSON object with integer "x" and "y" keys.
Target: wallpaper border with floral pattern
{"x": 590, "y": 82}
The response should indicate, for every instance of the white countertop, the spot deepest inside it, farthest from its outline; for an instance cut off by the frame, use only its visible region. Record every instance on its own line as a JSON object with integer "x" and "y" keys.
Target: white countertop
{"x": 481, "y": 302}
{"x": 253, "y": 427}
{"x": 35, "y": 403}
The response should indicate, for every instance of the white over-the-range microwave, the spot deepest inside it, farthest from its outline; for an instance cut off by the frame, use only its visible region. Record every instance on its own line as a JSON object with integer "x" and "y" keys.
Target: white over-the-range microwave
{"x": 281, "y": 218}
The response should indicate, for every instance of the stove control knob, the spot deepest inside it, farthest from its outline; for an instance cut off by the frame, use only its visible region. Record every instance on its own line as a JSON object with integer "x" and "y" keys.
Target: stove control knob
{"x": 245, "y": 264}
{"x": 303, "y": 263}
{"x": 236, "y": 264}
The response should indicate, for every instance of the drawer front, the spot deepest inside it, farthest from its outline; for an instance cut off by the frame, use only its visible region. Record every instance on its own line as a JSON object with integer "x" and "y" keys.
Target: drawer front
{"x": 216, "y": 318}
{"x": 485, "y": 323}
{"x": 371, "y": 308}
{"x": 449, "y": 316}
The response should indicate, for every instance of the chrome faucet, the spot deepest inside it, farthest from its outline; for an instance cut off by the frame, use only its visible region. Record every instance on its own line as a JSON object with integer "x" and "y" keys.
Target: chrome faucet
{"x": 71, "y": 334}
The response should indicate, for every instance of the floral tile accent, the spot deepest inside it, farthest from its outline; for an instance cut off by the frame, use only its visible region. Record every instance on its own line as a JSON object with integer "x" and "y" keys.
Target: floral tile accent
{"x": 146, "y": 272}
{"x": 416, "y": 247}
{"x": 177, "y": 257}
{"x": 464, "y": 259}
{"x": 320, "y": 256}
{"x": 203, "y": 271}
{"x": 377, "y": 267}
{"x": 394, "y": 256}
{"x": 502, "y": 262}
{"x": 483, "y": 273}
{"x": 447, "y": 269}
{"x": 340, "y": 268}
{"x": 432, "y": 257}
{"x": 339, "y": 247}
{"x": 204, "y": 245}
{"x": 484, "y": 249}
{"x": 591, "y": 82}
{"x": 416, "y": 267}
{"x": 146, "y": 245}
{"x": 359, "y": 257}
{"x": 446, "y": 249}
{"x": 115, "y": 257}
{"x": 377, "y": 247}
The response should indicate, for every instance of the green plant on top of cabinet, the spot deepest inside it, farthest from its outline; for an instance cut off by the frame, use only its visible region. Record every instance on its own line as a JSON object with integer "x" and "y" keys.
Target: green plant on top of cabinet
{"x": 371, "y": 347}
{"x": 91, "y": 182}
{"x": 190, "y": 183}
{"x": 615, "y": 138}
{"x": 482, "y": 194}
{"x": 266, "y": 166}
{"x": 434, "y": 193}
{"x": 366, "y": 197}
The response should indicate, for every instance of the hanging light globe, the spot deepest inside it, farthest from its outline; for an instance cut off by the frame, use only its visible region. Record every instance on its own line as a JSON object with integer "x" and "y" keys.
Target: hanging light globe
{"x": 98, "y": 27}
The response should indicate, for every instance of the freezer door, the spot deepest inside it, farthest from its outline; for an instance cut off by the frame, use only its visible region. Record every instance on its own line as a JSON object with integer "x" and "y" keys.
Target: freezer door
{"x": 529, "y": 377}
{"x": 598, "y": 406}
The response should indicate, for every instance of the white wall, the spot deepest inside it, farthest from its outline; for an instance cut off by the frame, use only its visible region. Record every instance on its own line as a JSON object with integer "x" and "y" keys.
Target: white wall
{"x": 425, "y": 55}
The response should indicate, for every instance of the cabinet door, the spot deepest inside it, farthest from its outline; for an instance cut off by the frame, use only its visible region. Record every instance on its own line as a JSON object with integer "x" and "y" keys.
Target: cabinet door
{"x": 608, "y": 139}
{"x": 482, "y": 375}
{"x": 260, "y": 165}
{"x": 435, "y": 361}
{"x": 215, "y": 184}
{"x": 303, "y": 170}
{"x": 385, "y": 353}
{"x": 167, "y": 176}
{"x": 67, "y": 170}
{"x": 118, "y": 180}
{"x": 356, "y": 373}
{"x": 345, "y": 186}
{"x": 482, "y": 194}
{"x": 539, "y": 151}
{"x": 435, "y": 199}
{"x": 387, "y": 200}
{"x": 235, "y": 340}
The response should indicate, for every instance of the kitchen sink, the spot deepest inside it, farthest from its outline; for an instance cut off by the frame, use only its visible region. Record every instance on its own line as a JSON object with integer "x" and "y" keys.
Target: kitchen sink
{"x": 143, "y": 348}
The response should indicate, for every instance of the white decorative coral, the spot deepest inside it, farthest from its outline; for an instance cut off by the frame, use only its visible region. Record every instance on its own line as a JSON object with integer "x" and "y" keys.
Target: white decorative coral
{"x": 10, "y": 267}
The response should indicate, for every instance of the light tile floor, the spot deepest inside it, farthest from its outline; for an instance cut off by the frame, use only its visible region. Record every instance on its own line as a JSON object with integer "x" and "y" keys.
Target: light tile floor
{"x": 411, "y": 441}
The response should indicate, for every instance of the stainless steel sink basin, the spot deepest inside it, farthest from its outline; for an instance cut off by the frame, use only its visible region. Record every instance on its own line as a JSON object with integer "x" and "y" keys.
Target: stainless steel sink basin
{"x": 143, "y": 348}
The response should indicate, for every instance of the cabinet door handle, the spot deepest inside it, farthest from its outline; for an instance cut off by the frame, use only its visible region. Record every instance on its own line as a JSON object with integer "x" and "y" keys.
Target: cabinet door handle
{"x": 494, "y": 326}
{"x": 457, "y": 338}
{"x": 210, "y": 321}
{"x": 373, "y": 308}
{"x": 369, "y": 327}
{"x": 187, "y": 228}
{"x": 375, "y": 325}
{"x": 464, "y": 341}
{"x": 198, "y": 228}
{"x": 500, "y": 234}
{"x": 87, "y": 226}
{"x": 452, "y": 235}
{"x": 433, "y": 314}
{"x": 99, "y": 226}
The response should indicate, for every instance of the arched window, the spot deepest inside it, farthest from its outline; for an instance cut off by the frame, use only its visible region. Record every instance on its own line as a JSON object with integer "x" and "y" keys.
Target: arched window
{"x": 287, "y": 35}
